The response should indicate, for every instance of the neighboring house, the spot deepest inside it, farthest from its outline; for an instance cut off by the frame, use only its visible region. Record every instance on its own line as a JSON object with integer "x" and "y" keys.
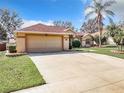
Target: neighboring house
{"x": 78, "y": 36}
{"x": 3, "y": 45}
{"x": 110, "y": 40}
{"x": 42, "y": 38}
{"x": 88, "y": 39}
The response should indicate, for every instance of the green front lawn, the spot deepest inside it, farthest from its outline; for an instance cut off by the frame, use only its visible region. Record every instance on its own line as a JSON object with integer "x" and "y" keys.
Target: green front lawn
{"x": 18, "y": 73}
{"x": 106, "y": 51}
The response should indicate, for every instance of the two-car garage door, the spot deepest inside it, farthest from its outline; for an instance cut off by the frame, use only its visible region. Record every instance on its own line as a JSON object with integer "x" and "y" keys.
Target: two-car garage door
{"x": 43, "y": 43}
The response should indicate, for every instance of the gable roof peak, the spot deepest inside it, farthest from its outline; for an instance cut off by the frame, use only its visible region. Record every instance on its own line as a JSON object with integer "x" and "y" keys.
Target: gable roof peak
{"x": 43, "y": 28}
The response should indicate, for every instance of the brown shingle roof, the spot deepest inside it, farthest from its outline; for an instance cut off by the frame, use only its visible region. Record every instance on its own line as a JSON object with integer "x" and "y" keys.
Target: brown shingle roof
{"x": 44, "y": 28}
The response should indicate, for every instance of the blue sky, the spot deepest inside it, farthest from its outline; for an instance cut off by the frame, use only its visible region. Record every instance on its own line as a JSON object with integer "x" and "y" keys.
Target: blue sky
{"x": 48, "y": 10}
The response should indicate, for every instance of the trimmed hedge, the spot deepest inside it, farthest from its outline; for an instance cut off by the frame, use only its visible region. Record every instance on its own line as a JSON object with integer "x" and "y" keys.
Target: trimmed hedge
{"x": 76, "y": 44}
{"x": 12, "y": 49}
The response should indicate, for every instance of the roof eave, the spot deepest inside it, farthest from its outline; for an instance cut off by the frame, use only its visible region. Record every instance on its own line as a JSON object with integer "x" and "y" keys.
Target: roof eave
{"x": 52, "y": 33}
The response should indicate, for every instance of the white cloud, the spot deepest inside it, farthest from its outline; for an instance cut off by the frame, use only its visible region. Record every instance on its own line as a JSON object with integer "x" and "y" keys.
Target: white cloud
{"x": 88, "y": 10}
{"x": 33, "y": 22}
{"x": 118, "y": 8}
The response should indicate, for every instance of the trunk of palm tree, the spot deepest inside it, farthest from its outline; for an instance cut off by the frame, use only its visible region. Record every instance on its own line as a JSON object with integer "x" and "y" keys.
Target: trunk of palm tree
{"x": 121, "y": 48}
{"x": 118, "y": 47}
{"x": 100, "y": 43}
{"x": 100, "y": 28}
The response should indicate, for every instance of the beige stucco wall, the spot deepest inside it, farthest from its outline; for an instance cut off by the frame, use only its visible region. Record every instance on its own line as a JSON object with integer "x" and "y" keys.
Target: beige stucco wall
{"x": 20, "y": 45}
{"x": 66, "y": 42}
{"x": 83, "y": 43}
{"x": 20, "y": 34}
{"x": 56, "y": 42}
{"x": 110, "y": 41}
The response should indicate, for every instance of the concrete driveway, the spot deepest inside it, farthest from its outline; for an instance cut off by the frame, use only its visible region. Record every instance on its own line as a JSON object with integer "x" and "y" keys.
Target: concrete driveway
{"x": 70, "y": 72}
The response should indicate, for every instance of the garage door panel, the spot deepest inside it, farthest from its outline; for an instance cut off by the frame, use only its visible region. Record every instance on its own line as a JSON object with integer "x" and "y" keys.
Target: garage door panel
{"x": 54, "y": 43}
{"x": 37, "y": 43}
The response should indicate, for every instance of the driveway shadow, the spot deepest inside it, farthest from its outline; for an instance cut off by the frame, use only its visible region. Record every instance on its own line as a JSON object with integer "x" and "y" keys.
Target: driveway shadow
{"x": 55, "y": 53}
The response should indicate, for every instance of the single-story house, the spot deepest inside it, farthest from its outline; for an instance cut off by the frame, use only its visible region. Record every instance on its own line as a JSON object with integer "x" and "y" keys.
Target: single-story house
{"x": 88, "y": 39}
{"x": 43, "y": 38}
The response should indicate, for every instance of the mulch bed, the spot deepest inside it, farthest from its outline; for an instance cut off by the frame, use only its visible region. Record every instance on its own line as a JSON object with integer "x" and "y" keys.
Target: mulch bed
{"x": 15, "y": 54}
{"x": 117, "y": 52}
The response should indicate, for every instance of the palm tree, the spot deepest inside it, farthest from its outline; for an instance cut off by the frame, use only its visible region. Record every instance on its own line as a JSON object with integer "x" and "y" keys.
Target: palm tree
{"x": 100, "y": 10}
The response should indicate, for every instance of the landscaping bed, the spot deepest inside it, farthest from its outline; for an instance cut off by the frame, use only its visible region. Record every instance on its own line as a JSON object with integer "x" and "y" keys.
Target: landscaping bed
{"x": 117, "y": 52}
{"x": 18, "y": 73}
{"x": 15, "y": 54}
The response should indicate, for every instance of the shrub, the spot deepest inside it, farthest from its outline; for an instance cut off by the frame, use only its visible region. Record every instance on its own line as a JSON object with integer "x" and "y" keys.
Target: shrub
{"x": 76, "y": 43}
{"x": 12, "y": 48}
{"x": 103, "y": 39}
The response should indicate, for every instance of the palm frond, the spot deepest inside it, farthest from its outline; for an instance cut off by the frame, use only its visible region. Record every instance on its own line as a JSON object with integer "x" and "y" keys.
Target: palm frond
{"x": 95, "y": 2}
{"x": 109, "y": 3}
{"x": 89, "y": 14}
{"x": 111, "y": 20}
{"x": 89, "y": 7}
{"x": 109, "y": 12}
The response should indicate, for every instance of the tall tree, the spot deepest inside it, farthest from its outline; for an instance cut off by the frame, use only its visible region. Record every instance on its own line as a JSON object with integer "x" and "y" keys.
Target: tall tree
{"x": 9, "y": 22}
{"x": 3, "y": 33}
{"x": 100, "y": 10}
{"x": 65, "y": 24}
{"x": 89, "y": 26}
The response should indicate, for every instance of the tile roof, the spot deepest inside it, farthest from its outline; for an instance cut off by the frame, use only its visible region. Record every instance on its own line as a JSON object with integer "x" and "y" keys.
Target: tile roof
{"x": 44, "y": 28}
{"x": 79, "y": 33}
